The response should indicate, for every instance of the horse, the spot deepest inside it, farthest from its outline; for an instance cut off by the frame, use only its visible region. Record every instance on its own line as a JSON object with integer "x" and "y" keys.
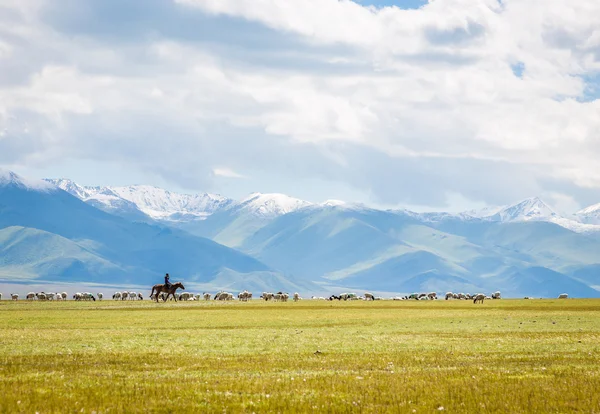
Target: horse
{"x": 479, "y": 298}
{"x": 160, "y": 288}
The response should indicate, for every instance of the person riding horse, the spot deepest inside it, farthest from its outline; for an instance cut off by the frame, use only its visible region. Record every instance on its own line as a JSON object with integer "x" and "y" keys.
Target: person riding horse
{"x": 168, "y": 288}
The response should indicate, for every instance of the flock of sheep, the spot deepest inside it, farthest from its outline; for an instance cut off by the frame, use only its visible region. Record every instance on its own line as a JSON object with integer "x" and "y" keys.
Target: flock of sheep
{"x": 266, "y": 296}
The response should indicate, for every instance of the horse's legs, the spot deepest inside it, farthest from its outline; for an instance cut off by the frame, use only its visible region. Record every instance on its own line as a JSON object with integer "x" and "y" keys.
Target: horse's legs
{"x": 174, "y": 297}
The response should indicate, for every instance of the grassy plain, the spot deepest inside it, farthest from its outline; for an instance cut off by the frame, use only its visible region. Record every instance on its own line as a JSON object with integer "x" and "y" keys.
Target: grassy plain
{"x": 502, "y": 356}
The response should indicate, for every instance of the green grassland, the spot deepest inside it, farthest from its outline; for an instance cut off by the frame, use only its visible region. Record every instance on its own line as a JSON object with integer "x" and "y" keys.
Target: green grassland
{"x": 312, "y": 356}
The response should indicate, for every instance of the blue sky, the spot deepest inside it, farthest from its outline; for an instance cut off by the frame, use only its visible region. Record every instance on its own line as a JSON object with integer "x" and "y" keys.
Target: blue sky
{"x": 404, "y": 4}
{"x": 446, "y": 105}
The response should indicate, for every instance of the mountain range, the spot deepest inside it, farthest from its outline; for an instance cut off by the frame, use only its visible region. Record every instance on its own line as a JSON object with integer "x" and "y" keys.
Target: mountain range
{"x": 48, "y": 234}
{"x": 273, "y": 241}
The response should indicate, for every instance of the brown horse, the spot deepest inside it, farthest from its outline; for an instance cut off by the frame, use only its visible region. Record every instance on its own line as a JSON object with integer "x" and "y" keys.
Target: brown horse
{"x": 160, "y": 288}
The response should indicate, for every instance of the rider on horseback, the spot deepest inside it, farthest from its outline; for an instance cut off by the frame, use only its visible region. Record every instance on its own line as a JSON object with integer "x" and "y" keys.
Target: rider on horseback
{"x": 167, "y": 283}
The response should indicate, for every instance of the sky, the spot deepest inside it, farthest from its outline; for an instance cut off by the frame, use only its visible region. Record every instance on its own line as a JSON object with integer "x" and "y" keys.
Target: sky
{"x": 440, "y": 105}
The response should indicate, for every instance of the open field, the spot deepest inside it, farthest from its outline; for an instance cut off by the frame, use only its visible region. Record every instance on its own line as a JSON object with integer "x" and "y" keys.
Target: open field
{"x": 502, "y": 356}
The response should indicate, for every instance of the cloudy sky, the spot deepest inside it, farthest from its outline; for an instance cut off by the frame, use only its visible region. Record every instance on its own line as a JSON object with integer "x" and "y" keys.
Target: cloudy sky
{"x": 441, "y": 105}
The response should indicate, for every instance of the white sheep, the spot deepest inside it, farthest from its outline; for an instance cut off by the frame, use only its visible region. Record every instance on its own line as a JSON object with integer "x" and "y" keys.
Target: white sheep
{"x": 14, "y": 296}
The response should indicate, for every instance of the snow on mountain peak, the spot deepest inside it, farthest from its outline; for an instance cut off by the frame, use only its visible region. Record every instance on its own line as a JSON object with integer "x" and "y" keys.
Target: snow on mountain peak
{"x": 529, "y": 209}
{"x": 271, "y": 205}
{"x": 589, "y": 215}
{"x": 595, "y": 209}
{"x": 8, "y": 178}
{"x": 70, "y": 187}
{"x": 152, "y": 201}
{"x": 159, "y": 203}
{"x": 333, "y": 203}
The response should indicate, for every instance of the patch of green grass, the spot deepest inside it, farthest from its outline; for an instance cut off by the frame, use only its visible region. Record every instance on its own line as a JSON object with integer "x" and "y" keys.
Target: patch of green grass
{"x": 503, "y": 356}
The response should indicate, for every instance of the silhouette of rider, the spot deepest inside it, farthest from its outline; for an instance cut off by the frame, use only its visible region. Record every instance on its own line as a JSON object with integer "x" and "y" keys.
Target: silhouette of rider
{"x": 167, "y": 283}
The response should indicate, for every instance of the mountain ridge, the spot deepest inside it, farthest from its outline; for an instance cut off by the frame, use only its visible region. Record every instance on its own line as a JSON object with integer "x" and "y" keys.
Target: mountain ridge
{"x": 163, "y": 205}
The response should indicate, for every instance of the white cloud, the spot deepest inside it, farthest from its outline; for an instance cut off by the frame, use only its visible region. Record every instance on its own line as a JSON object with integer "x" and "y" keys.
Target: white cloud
{"x": 226, "y": 173}
{"x": 432, "y": 89}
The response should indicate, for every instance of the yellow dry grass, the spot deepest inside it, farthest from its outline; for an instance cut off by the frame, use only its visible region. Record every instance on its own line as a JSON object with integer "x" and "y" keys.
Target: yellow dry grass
{"x": 503, "y": 356}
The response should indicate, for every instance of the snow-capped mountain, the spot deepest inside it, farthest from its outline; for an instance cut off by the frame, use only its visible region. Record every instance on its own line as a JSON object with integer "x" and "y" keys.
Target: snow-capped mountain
{"x": 529, "y": 209}
{"x": 45, "y": 232}
{"x": 269, "y": 205}
{"x": 589, "y": 215}
{"x": 50, "y": 235}
{"x": 166, "y": 205}
{"x": 9, "y": 178}
{"x": 535, "y": 209}
{"x": 157, "y": 203}
{"x": 144, "y": 202}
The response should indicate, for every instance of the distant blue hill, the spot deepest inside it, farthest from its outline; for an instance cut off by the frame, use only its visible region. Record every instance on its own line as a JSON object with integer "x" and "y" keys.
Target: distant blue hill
{"x": 48, "y": 234}
{"x": 286, "y": 244}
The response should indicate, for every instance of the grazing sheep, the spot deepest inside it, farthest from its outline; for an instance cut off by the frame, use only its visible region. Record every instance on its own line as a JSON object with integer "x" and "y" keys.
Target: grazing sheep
{"x": 369, "y": 296}
{"x": 449, "y": 295}
{"x": 117, "y": 295}
{"x": 14, "y": 296}
{"x": 496, "y": 295}
{"x": 124, "y": 295}
{"x": 41, "y": 296}
{"x": 140, "y": 297}
{"x": 30, "y": 296}
{"x": 296, "y": 297}
{"x": 432, "y": 295}
{"x": 64, "y": 295}
{"x": 132, "y": 295}
{"x": 267, "y": 296}
{"x": 563, "y": 296}
{"x": 224, "y": 296}
{"x": 479, "y": 298}
{"x": 100, "y": 296}
{"x": 206, "y": 296}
